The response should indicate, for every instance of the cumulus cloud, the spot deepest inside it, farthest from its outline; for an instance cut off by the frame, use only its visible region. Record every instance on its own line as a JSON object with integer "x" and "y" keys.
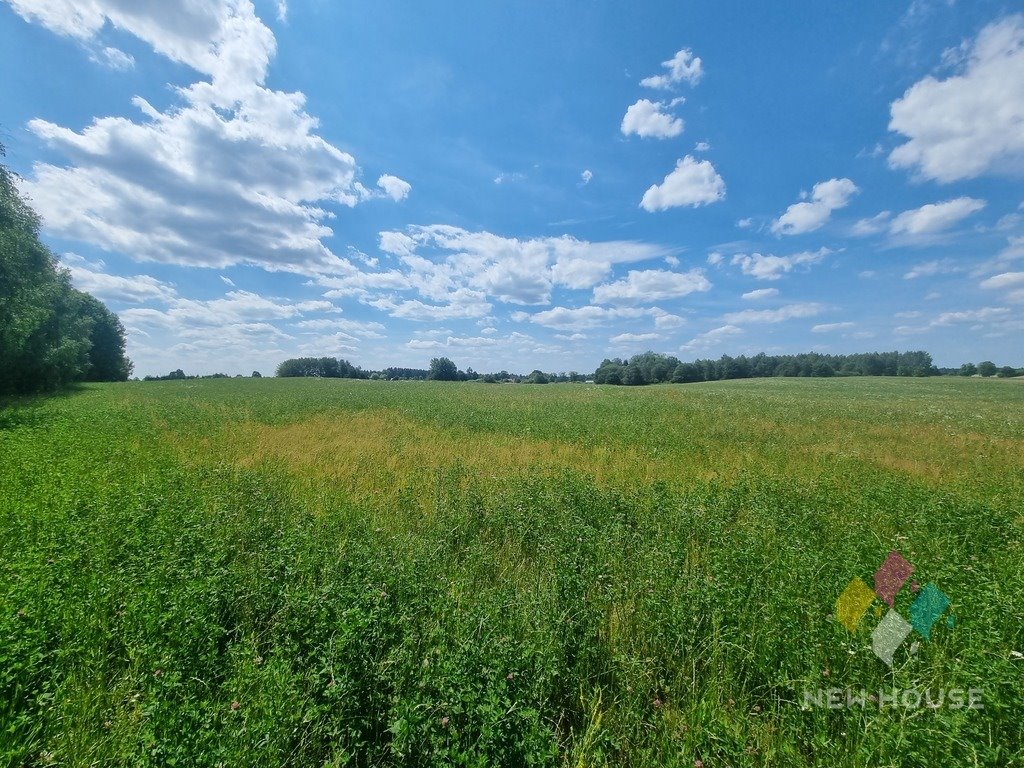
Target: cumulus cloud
{"x": 233, "y": 173}
{"x": 237, "y": 331}
{"x": 933, "y": 268}
{"x": 873, "y": 225}
{"x": 761, "y": 293}
{"x": 627, "y": 339}
{"x": 693, "y": 183}
{"x": 973, "y": 122}
{"x": 649, "y": 119}
{"x": 1010, "y": 282}
{"x": 222, "y": 38}
{"x": 770, "y": 267}
{"x": 233, "y": 307}
{"x": 651, "y": 285}
{"x": 586, "y": 176}
{"x": 135, "y": 289}
{"x": 394, "y": 187}
{"x": 994, "y": 321}
{"x": 710, "y": 338}
{"x": 935, "y": 217}
{"x": 438, "y": 260}
{"x": 827, "y": 196}
{"x": 832, "y": 327}
{"x": 667, "y": 321}
{"x": 114, "y": 58}
{"x": 683, "y": 67}
{"x": 581, "y": 318}
{"x": 787, "y": 312}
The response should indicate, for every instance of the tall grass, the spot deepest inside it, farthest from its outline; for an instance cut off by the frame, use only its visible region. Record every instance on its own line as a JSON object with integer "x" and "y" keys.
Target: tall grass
{"x": 366, "y": 573}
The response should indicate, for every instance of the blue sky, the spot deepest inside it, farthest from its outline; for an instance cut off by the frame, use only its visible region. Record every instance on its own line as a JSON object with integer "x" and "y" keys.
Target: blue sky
{"x": 527, "y": 185}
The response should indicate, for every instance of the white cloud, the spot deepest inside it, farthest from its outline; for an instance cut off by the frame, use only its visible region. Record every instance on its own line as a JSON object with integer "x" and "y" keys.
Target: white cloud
{"x": 626, "y": 339}
{"x": 465, "y": 306}
{"x": 397, "y": 243}
{"x": 394, "y": 187}
{"x": 282, "y": 10}
{"x": 666, "y": 321}
{"x": 693, "y": 183}
{"x": 973, "y": 122}
{"x": 232, "y": 174}
{"x": 438, "y": 260}
{"x": 932, "y": 268}
{"x": 971, "y": 316}
{"x": 745, "y": 223}
{"x": 770, "y": 267}
{"x": 569, "y": 319}
{"x": 715, "y": 258}
{"x": 874, "y": 225}
{"x": 234, "y": 307}
{"x": 935, "y": 217}
{"x": 220, "y": 38}
{"x": 761, "y": 293}
{"x": 831, "y": 327}
{"x": 363, "y": 328}
{"x": 684, "y": 66}
{"x": 827, "y": 196}
{"x": 114, "y": 58}
{"x": 711, "y": 338}
{"x": 649, "y": 119}
{"x": 702, "y": 146}
{"x": 1011, "y": 282}
{"x": 994, "y": 321}
{"x": 586, "y": 176}
{"x": 134, "y": 289}
{"x": 651, "y": 285}
{"x": 787, "y": 312}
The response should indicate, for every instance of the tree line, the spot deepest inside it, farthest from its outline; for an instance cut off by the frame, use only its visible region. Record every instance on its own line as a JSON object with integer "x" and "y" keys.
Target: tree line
{"x": 656, "y": 368}
{"x": 441, "y": 369}
{"x": 51, "y": 334}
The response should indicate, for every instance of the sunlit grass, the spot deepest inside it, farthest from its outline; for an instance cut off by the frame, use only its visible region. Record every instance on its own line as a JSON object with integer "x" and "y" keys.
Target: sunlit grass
{"x": 337, "y": 572}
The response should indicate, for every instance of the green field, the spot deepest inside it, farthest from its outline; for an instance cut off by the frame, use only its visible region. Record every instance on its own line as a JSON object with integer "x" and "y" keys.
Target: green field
{"x": 327, "y": 572}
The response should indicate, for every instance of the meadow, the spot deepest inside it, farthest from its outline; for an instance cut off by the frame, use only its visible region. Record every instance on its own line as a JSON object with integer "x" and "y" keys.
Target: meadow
{"x": 336, "y": 572}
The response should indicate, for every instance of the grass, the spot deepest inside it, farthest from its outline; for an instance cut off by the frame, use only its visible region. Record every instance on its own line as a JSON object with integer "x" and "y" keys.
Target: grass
{"x": 304, "y": 572}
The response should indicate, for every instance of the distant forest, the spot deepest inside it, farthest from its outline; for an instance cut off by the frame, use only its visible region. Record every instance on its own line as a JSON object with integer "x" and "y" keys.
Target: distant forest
{"x": 655, "y": 368}
{"x": 51, "y": 335}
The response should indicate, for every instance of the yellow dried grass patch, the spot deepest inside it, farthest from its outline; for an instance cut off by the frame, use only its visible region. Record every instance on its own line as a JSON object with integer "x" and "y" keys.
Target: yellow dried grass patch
{"x": 382, "y": 451}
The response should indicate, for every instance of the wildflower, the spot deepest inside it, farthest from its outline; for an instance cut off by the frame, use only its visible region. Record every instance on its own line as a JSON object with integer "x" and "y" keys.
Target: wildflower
{"x": 657, "y": 703}
{"x": 234, "y": 705}
{"x": 444, "y": 721}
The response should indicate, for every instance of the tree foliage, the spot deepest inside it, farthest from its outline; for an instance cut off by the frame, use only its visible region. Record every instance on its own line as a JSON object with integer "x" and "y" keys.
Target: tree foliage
{"x": 655, "y": 368}
{"x": 320, "y": 367}
{"x": 50, "y": 334}
{"x": 443, "y": 369}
